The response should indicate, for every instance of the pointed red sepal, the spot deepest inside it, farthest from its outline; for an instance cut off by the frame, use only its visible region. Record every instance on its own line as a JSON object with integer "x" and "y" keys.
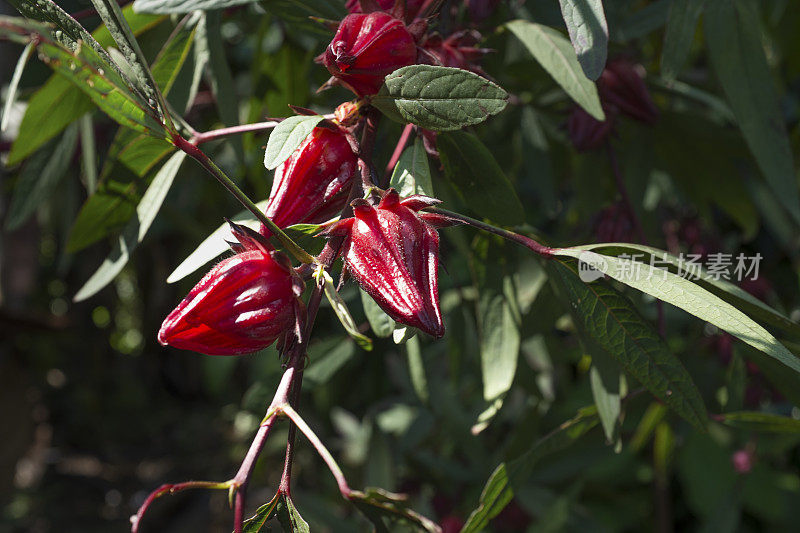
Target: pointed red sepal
{"x": 419, "y": 201}
{"x": 248, "y": 239}
{"x": 439, "y": 221}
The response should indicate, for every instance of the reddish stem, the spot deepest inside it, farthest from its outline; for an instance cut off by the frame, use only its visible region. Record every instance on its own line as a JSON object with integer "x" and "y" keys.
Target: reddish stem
{"x": 88, "y": 12}
{"x": 206, "y": 136}
{"x": 398, "y": 151}
{"x": 171, "y": 488}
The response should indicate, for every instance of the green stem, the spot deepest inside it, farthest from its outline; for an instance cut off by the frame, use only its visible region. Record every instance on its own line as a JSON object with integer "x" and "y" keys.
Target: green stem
{"x": 200, "y": 156}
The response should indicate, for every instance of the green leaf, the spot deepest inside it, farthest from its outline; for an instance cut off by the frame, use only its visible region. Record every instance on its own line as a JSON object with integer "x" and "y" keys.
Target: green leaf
{"x": 214, "y": 245}
{"x": 88, "y": 152}
{"x": 289, "y": 517}
{"x": 508, "y": 476}
{"x": 377, "y": 504}
{"x": 111, "y": 14}
{"x": 722, "y": 288}
{"x": 135, "y": 230}
{"x": 381, "y": 323}
{"x": 607, "y": 319}
{"x": 38, "y": 180}
{"x": 588, "y": 31}
{"x": 557, "y": 57}
{"x": 416, "y": 369}
{"x": 641, "y": 22}
{"x": 681, "y": 26}
{"x": 185, "y": 6}
{"x": 500, "y": 335}
{"x": 762, "y": 422}
{"x": 256, "y": 523}
{"x": 341, "y": 310}
{"x": 12, "y": 87}
{"x": 326, "y": 359}
{"x": 59, "y": 102}
{"x": 412, "y": 174}
{"x": 287, "y": 136}
{"x": 608, "y": 386}
{"x": 477, "y": 177}
{"x": 737, "y": 55}
{"x": 690, "y": 297}
{"x": 109, "y": 91}
{"x": 439, "y": 98}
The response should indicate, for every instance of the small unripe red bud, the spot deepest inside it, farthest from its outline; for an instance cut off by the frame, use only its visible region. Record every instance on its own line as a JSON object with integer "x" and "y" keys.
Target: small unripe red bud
{"x": 313, "y": 184}
{"x": 368, "y": 47}
{"x": 742, "y": 461}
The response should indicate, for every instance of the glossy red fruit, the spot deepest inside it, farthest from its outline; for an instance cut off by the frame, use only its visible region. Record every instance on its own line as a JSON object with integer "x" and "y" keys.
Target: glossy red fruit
{"x": 312, "y": 186}
{"x": 621, "y": 86}
{"x": 586, "y": 132}
{"x": 366, "y": 48}
{"x": 392, "y": 250}
{"x": 242, "y": 305}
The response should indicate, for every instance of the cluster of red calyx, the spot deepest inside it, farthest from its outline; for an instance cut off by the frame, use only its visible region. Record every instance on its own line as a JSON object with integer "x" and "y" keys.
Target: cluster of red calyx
{"x": 392, "y": 250}
{"x": 622, "y": 91}
{"x": 251, "y": 299}
{"x": 242, "y": 305}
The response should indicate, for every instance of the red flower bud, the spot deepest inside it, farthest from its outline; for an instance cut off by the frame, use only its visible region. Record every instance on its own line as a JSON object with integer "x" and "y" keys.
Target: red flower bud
{"x": 621, "y": 85}
{"x": 392, "y": 250}
{"x": 368, "y": 47}
{"x": 312, "y": 186}
{"x": 457, "y": 51}
{"x": 242, "y": 305}
{"x": 586, "y": 132}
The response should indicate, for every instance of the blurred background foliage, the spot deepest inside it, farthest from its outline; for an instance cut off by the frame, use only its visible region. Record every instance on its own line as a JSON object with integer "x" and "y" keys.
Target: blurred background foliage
{"x": 95, "y": 413}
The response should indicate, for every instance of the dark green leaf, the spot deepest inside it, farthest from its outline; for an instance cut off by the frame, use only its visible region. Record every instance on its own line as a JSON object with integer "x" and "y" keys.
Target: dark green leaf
{"x": 88, "y": 152}
{"x": 558, "y": 58}
{"x": 256, "y": 523}
{"x": 763, "y": 422}
{"x": 690, "y": 297}
{"x": 412, "y": 174}
{"x": 135, "y": 230}
{"x": 289, "y": 517}
{"x": 326, "y": 359}
{"x": 609, "y": 320}
{"x": 588, "y": 31}
{"x": 737, "y": 55}
{"x": 499, "y": 335}
{"x": 477, "y": 177}
{"x": 681, "y": 25}
{"x": 508, "y": 476}
{"x": 38, "y": 181}
{"x": 381, "y": 323}
{"x": 287, "y": 136}
{"x": 377, "y": 504}
{"x": 416, "y": 369}
{"x": 439, "y": 98}
{"x": 641, "y": 22}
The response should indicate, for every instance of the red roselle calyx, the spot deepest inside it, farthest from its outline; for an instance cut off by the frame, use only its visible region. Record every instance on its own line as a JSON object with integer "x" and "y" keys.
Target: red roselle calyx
{"x": 242, "y": 305}
{"x": 458, "y": 50}
{"x": 621, "y": 87}
{"x": 392, "y": 250}
{"x": 588, "y": 133}
{"x": 411, "y": 8}
{"x": 366, "y": 48}
{"x": 312, "y": 186}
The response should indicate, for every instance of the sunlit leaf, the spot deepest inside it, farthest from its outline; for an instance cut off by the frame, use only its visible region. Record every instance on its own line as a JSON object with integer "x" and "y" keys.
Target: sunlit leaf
{"x": 588, "y": 31}
{"x": 287, "y": 136}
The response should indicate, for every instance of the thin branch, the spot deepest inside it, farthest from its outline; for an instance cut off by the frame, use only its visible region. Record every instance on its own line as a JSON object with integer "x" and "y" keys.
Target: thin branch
{"x": 172, "y": 488}
{"x": 365, "y": 150}
{"x": 200, "y": 156}
{"x": 398, "y": 151}
{"x": 344, "y": 488}
{"x": 529, "y": 243}
{"x": 207, "y": 136}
